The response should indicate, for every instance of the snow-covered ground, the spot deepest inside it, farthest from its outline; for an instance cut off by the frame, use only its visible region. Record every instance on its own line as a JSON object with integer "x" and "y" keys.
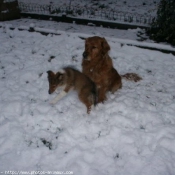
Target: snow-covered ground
{"x": 132, "y": 133}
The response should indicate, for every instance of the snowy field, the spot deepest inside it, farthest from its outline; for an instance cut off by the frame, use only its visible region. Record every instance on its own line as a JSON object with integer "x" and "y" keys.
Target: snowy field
{"x": 132, "y": 133}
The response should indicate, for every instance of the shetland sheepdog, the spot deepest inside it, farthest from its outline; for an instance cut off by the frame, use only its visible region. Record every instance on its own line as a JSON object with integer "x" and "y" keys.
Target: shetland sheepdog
{"x": 69, "y": 78}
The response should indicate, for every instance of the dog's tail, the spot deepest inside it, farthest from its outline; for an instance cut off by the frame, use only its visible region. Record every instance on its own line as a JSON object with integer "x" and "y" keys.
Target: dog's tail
{"x": 132, "y": 77}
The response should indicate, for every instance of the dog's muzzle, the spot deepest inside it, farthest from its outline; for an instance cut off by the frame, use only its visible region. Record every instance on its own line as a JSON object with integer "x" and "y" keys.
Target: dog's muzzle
{"x": 85, "y": 55}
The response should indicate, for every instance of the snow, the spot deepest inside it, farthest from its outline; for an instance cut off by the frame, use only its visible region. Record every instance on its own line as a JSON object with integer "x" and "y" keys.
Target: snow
{"x": 133, "y": 132}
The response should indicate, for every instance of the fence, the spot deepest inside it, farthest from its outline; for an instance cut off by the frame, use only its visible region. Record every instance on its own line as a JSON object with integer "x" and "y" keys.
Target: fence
{"x": 83, "y": 12}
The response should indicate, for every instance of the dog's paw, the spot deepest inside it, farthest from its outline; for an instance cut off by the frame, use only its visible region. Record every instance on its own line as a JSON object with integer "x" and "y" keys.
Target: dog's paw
{"x": 52, "y": 103}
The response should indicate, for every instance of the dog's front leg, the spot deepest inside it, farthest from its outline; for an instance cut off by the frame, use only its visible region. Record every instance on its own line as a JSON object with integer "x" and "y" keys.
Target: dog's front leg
{"x": 61, "y": 94}
{"x": 58, "y": 97}
{"x": 101, "y": 95}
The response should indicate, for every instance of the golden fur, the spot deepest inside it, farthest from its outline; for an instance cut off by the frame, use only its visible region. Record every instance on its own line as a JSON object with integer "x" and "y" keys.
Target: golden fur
{"x": 98, "y": 66}
{"x": 132, "y": 77}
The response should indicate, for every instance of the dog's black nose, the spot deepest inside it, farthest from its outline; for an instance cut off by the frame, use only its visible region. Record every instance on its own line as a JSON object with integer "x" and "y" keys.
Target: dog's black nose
{"x": 85, "y": 54}
{"x": 49, "y": 91}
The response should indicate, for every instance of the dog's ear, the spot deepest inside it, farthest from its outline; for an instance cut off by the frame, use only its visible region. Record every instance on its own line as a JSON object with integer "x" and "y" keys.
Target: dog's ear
{"x": 86, "y": 41}
{"x": 59, "y": 76}
{"x": 105, "y": 46}
{"x": 50, "y": 73}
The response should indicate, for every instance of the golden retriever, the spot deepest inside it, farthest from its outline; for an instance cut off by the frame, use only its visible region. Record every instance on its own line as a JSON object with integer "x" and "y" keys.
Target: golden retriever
{"x": 98, "y": 66}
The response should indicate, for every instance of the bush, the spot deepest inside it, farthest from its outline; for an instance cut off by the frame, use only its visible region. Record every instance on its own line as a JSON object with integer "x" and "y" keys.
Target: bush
{"x": 163, "y": 28}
